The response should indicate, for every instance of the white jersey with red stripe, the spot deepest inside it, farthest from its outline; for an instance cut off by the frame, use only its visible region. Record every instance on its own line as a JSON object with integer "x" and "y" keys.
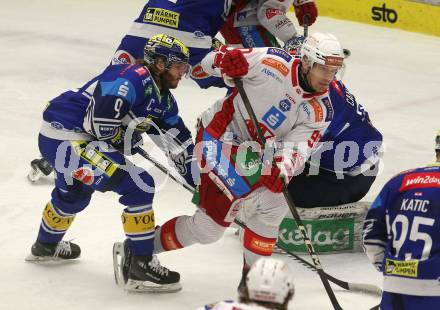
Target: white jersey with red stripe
{"x": 287, "y": 114}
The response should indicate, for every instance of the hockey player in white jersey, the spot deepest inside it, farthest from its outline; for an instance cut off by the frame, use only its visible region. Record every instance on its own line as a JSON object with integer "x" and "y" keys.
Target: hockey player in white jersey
{"x": 290, "y": 98}
{"x": 258, "y": 23}
{"x": 269, "y": 285}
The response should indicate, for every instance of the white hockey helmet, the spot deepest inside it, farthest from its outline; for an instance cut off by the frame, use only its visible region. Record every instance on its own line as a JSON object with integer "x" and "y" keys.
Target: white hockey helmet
{"x": 269, "y": 280}
{"x": 323, "y": 48}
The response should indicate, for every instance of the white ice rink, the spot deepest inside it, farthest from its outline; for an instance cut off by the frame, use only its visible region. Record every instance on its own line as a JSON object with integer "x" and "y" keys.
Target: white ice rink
{"x": 49, "y": 46}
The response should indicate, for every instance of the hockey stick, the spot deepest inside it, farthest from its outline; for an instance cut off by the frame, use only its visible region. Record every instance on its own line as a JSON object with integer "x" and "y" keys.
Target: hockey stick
{"x": 162, "y": 168}
{"x": 306, "y": 25}
{"x": 355, "y": 287}
{"x": 239, "y": 84}
{"x": 347, "y": 52}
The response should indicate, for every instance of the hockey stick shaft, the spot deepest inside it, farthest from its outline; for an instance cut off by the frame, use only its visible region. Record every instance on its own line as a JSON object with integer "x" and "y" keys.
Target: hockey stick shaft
{"x": 239, "y": 84}
{"x": 306, "y": 25}
{"x": 358, "y": 287}
{"x": 162, "y": 168}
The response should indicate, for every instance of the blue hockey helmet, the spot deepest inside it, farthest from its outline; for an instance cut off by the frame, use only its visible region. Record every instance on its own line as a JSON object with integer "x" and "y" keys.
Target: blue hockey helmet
{"x": 168, "y": 47}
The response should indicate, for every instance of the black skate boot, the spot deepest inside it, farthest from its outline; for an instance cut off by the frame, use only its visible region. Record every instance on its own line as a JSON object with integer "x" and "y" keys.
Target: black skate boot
{"x": 146, "y": 274}
{"x": 39, "y": 167}
{"x": 63, "y": 250}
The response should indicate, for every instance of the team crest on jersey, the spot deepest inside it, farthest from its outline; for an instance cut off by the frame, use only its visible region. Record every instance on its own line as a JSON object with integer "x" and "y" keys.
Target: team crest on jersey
{"x": 162, "y": 17}
{"x": 280, "y": 53}
{"x": 274, "y": 118}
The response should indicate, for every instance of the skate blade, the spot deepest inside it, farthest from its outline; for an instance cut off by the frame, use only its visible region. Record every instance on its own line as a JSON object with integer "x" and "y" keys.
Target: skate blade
{"x": 118, "y": 252}
{"x": 135, "y": 286}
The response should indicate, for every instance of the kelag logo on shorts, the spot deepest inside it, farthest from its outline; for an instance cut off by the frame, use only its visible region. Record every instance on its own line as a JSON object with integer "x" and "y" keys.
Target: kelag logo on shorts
{"x": 384, "y": 14}
{"x": 326, "y": 235}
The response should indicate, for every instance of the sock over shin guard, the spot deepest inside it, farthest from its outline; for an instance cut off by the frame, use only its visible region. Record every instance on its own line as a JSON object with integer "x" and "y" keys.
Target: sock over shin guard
{"x": 54, "y": 224}
{"x": 139, "y": 227}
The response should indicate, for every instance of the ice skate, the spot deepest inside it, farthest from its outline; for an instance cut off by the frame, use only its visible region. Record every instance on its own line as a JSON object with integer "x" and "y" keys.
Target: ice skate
{"x": 63, "y": 250}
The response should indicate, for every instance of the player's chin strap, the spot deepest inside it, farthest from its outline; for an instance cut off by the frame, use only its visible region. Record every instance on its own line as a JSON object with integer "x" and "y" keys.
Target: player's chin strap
{"x": 354, "y": 287}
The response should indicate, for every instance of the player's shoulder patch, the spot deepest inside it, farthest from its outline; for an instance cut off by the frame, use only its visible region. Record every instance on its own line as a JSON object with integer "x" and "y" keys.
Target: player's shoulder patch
{"x": 279, "y": 53}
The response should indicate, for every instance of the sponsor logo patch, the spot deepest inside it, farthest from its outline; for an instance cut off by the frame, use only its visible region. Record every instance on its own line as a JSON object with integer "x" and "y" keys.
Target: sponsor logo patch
{"x": 420, "y": 180}
{"x": 280, "y": 53}
{"x": 327, "y": 235}
{"x": 122, "y": 57}
{"x": 319, "y": 113}
{"x": 276, "y": 65}
{"x": 402, "y": 268}
{"x": 162, "y": 17}
{"x": 334, "y": 61}
{"x": 271, "y": 74}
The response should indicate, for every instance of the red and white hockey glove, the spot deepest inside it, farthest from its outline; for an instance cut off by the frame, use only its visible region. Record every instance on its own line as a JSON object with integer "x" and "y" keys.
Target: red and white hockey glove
{"x": 282, "y": 170}
{"x": 233, "y": 64}
{"x": 306, "y": 7}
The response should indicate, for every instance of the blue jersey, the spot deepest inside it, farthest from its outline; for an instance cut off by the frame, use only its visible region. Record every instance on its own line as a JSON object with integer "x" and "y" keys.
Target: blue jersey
{"x": 351, "y": 127}
{"x": 402, "y": 232}
{"x": 104, "y": 107}
{"x": 194, "y": 22}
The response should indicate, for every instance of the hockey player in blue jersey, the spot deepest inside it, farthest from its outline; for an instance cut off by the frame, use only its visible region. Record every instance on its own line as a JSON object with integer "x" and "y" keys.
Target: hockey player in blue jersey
{"x": 345, "y": 164}
{"x": 194, "y": 22}
{"x": 402, "y": 238}
{"x": 86, "y": 135}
